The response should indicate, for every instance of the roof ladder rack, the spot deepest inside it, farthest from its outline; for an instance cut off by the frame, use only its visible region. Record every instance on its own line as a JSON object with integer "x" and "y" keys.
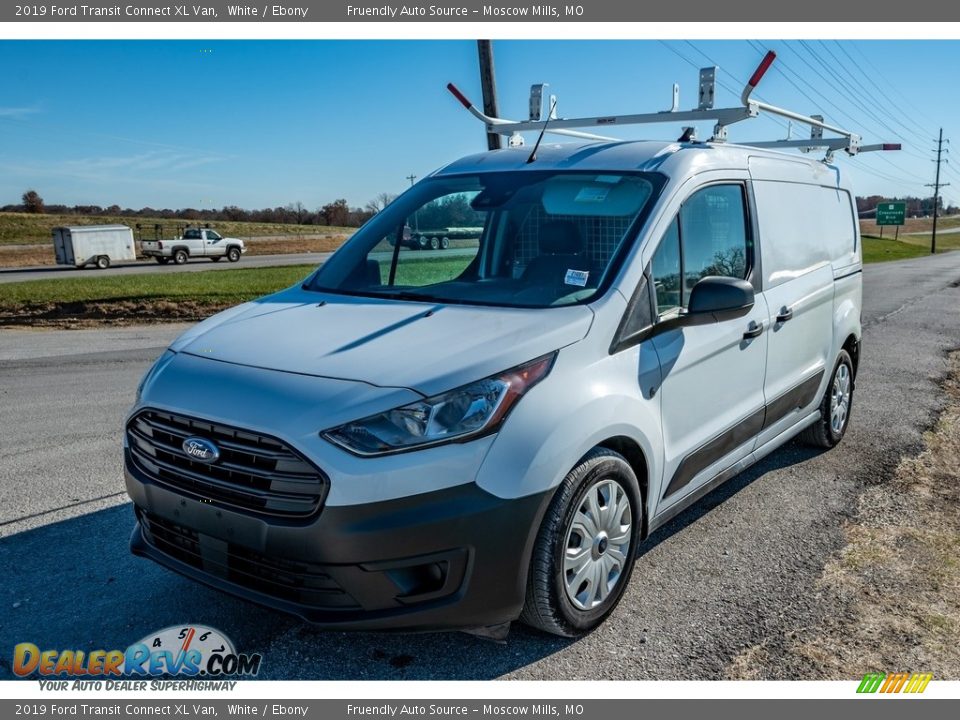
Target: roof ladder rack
{"x": 845, "y": 140}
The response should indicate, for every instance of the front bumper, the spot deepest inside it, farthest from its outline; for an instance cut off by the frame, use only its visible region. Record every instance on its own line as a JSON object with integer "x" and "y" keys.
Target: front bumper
{"x": 450, "y": 559}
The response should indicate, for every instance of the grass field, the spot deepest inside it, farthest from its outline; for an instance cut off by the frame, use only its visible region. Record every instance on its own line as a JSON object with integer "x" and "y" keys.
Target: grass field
{"x": 171, "y": 296}
{"x": 868, "y": 226}
{"x": 883, "y": 250}
{"x": 209, "y": 288}
{"x": 26, "y": 228}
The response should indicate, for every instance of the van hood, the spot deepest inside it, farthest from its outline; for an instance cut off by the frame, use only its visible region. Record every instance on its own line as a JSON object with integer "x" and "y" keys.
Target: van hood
{"x": 427, "y": 347}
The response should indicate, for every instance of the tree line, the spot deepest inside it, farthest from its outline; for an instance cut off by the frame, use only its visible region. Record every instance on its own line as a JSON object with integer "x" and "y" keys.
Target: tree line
{"x": 337, "y": 213}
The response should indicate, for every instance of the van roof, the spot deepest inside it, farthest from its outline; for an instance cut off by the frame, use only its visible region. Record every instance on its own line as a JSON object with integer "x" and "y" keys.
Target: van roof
{"x": 672, "y": 158}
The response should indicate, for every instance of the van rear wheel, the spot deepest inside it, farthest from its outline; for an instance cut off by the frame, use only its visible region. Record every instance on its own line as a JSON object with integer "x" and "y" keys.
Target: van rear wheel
{"x": 835, "y": 406}
{"x": 586, "y": 547}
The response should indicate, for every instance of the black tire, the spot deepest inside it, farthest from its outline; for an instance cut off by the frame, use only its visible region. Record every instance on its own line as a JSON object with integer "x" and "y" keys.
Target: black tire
{"x": 162, "y": 260}
{"x": 434, "y": 243}
{"x": 824, "y": 432}
{"x": 233, "y": 254}
{"x": 444, "y": 243}
{"x": 180, "y": 257}
{"x": 548, "y": 606}
{"x": 423, "y": 242}
{"x": 103, "y": 262}
{"x": 216, "y": 258}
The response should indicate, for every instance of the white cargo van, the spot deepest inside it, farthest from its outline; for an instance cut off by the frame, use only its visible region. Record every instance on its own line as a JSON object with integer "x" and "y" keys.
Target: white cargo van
{"x": 467, "y": 438}
{"x": 98, "y": 245}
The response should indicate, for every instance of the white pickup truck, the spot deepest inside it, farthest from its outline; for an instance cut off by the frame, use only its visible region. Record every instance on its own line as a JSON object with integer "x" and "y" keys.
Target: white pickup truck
{"x": 194, "y": 242}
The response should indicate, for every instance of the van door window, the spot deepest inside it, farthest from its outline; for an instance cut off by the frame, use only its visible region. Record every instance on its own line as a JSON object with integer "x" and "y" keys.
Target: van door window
{"x": 665, "y": 269}
{"x": 707, "y": 237}
{"x": 713, "y": 229}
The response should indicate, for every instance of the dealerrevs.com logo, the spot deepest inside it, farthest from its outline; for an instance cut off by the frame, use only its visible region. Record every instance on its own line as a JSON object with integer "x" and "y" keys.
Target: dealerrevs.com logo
{"x": 191, "y": 651}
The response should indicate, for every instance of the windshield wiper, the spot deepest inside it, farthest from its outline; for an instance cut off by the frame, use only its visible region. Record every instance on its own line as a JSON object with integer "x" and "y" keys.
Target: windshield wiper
{"x": 408, "y": 295}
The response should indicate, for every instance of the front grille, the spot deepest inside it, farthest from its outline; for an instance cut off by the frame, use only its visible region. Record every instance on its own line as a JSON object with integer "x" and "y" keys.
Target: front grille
{"x": 303, "y": 583}
{"x": 254, "y": 472}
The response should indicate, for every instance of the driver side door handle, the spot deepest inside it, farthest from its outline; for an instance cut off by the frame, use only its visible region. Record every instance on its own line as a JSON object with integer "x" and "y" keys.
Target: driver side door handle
{"x": 754, "y": 330}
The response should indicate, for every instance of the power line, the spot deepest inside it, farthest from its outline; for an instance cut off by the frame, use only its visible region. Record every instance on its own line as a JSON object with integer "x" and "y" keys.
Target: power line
{"x": 926, "y": 131}
{"x": 852, "y": 95}
{"x": 917, "y": 127}
{"x": 783, "y": 74}
{"x": 856, "y": 84}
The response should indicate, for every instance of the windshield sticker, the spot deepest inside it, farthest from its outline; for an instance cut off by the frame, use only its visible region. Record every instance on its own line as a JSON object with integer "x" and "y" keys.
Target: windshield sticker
{"x": 576, "y": 277}
{"x": 591, "y": 194}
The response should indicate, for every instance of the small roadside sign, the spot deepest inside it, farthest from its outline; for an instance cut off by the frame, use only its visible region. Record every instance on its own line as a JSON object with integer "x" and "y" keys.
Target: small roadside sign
{"x": 891, "y": 213}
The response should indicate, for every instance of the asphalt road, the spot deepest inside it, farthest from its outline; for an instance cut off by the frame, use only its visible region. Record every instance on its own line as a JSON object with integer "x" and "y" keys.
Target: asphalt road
{"x": 738, "y": 568}
{"x": 53, "y": 272}
{"x": 48, "y": 272}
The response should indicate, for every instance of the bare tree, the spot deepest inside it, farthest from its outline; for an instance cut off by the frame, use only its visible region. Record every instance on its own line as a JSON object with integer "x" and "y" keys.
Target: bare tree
{"x": 298, "y": 210}
{"x": 32, "y": 202}
{"x": 380, "y": 202}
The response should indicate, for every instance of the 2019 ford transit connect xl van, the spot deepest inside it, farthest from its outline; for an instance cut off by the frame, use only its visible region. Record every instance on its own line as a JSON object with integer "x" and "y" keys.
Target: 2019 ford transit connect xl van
{"x": 460, "y": 438}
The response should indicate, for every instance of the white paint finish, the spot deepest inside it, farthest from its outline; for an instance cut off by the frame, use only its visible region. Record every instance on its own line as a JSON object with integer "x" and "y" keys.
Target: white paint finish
{"x": 803, "y": 227}
{"x": 430, "y": 347}
{"x": 712, "y": 380}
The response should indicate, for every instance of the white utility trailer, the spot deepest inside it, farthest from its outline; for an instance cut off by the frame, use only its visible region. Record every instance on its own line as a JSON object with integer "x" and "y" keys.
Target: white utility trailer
{"x": 98, "y": 245}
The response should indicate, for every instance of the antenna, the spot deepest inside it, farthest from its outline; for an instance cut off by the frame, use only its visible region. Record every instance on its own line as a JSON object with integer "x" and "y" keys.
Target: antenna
{"x": 533, "y": 153}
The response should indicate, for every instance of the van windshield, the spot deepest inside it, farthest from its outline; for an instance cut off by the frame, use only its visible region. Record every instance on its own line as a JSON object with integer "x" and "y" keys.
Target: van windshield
{"x": 516, "y": 239}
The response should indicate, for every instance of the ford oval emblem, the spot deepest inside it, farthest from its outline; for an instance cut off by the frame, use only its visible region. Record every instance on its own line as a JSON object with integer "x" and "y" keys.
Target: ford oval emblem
{"x": 201, "y": 450}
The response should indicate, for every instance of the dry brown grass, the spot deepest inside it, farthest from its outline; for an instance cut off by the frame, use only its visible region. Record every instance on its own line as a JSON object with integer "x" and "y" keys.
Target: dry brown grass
{"x": 898, "y": 576}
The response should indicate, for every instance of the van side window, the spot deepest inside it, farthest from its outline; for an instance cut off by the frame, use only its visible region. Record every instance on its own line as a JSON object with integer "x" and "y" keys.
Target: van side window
{"x": 707, "y": 237}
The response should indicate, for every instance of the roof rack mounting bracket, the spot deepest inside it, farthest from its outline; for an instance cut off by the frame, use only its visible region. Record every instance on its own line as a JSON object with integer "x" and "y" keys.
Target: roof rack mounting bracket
{"x": 708, "y": 84}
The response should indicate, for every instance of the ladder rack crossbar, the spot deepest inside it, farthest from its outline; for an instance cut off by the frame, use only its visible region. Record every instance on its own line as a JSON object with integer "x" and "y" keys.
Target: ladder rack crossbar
{"x": 582, "y": 127}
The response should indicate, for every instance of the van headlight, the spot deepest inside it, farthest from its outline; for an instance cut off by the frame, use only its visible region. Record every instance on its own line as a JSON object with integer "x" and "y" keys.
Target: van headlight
{"x": 455, "y": 416}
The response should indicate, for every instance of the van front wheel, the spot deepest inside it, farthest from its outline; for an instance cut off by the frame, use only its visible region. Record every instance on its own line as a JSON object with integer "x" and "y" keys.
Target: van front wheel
{"x": 584, "y": 553}
{"x": 835, "y": 406}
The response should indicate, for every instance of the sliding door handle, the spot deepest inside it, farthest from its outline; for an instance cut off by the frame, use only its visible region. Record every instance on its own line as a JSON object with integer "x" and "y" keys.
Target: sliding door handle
{"x": 785, "y": 314}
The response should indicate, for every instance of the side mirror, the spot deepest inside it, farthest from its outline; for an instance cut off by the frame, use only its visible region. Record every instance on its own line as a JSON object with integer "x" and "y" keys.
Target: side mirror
{"x": 719, "y": 298}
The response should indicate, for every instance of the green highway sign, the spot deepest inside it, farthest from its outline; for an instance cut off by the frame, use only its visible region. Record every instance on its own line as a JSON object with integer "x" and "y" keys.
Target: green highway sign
{"x": 891, "y": 213}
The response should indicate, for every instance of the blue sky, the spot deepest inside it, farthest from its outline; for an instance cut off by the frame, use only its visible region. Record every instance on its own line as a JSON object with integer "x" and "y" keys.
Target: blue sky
{"x": 258, "y": 123}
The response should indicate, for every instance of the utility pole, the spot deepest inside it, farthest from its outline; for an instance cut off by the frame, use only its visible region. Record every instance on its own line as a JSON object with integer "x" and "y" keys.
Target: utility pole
{"x": 411, "y": 178}
{"x": 488, "y": 85}
{"x": 936, "y": 191}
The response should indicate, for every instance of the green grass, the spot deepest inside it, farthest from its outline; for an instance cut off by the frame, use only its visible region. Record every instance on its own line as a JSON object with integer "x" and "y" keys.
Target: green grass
{"x": 883, "y": 250}
{"x": 945, "y": 241}
{"x": 418, "y": 272}
{"x": 216, "y": 287}
{"x": 25, "y": 228}
{"x": 212, "y": 288}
